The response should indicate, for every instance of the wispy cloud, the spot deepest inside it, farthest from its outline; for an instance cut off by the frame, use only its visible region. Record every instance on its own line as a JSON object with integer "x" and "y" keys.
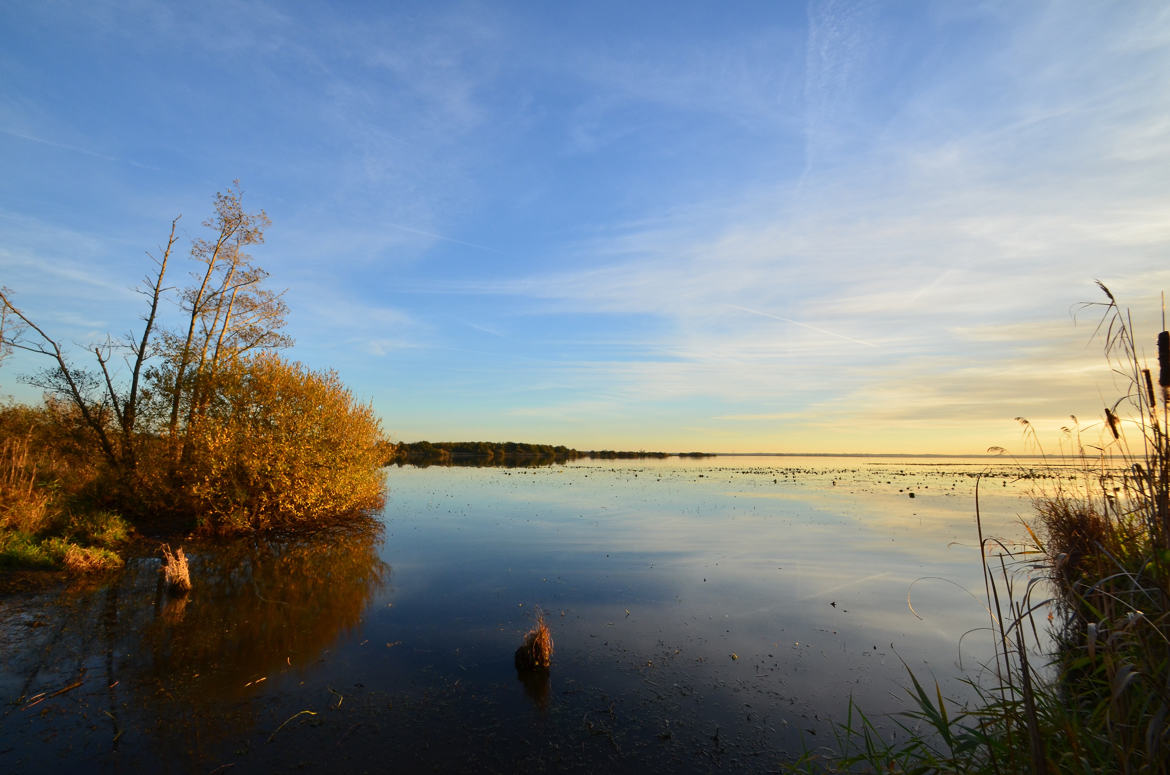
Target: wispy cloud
{"x": 752, "y": 226}
{"x": 75, "y": 149}
{"x": 432, "y": 235}
{"x": 803, "y": 325}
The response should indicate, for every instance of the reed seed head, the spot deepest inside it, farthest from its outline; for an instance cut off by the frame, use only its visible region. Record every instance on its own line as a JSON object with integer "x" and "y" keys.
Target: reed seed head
{"x": 1111, "y": 418}
{"x": 1164, "y": 359}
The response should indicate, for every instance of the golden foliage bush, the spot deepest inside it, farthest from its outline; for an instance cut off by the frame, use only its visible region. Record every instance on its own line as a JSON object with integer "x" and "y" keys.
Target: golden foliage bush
{"x": 282, "y": 447}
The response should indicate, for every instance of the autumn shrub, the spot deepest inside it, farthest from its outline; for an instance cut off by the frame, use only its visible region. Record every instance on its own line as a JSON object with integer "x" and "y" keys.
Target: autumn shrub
{"x": 45, "y": 521}
{"x": 48, "y": 447}
{"x": 282, "y": 446}
{"x": 23, "y": 506}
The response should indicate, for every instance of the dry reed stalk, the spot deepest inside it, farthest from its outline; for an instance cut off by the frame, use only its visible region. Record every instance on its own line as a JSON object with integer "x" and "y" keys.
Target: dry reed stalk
{"x": 22, "y": 506}
{"x": 537, "y": 651}
{"x": 176, "y": 575}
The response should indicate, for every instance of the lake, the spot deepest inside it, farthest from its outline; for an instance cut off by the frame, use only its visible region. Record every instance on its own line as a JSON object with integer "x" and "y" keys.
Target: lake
{"x": 706, "y": 614}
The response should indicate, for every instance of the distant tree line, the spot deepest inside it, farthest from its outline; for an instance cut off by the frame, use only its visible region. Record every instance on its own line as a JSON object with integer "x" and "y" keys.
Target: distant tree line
{"x": 508, "y": 453}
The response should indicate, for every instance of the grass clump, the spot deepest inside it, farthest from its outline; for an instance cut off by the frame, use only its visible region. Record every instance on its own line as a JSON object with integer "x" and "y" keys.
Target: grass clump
{"x": 537, "y": 649}
{"x": 22, "y": 550}
{"x": 89, "y": 559}
{"x": 1094, "y": 697}
{"x": 47, "y": 520}
{"x": 176, "y": 574}
{"x": 100, "y": 529}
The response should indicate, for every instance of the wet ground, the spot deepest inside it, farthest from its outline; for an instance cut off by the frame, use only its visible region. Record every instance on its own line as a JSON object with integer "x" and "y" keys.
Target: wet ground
{"x": 713, "y": 614}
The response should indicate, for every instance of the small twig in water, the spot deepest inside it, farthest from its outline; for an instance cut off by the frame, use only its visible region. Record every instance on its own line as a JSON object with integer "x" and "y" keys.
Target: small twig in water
{"x": 42, "y": 696}
{"x": 290, "y": 718}
{"x": 117, "y": 729}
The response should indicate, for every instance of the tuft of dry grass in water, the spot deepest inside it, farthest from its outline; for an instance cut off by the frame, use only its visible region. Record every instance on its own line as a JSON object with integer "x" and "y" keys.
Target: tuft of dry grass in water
{"x": 537, "y": 651}
{"x": 176, "y": 575}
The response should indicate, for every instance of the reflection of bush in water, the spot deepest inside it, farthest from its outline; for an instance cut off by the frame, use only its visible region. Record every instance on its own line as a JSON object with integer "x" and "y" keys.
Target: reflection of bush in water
{"x": 537, "y": 685}
{"x": 263, "y": 606}
{"x": 171, "y": 673}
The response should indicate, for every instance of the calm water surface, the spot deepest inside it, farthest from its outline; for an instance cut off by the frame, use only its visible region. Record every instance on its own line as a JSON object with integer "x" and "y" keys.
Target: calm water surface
{"x": 706, "y": 614}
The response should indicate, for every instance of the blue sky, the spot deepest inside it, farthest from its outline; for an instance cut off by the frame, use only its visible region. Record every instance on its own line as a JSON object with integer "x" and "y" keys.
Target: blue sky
{"x": 830, "y": 226}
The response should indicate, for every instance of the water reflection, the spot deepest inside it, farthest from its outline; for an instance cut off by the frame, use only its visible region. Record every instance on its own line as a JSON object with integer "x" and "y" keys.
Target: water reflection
{"x": 184, "y": 674}
{"x": 707, "y": 616}
{"x": 260, "y": 607}
{"x": 537, "y": 686}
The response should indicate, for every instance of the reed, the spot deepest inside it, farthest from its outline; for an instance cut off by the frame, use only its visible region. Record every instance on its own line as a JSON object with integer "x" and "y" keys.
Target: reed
{"x": 23, "y": 506}
{"x": 1096, "y": 696}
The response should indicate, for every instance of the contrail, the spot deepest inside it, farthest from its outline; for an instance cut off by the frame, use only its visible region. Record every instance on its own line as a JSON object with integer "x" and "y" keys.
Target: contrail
{"x": 77, "y": 149}
{"x": 802, "y": 325}
{"x": 445, "y": 239}
{"x": 932, "y": 284}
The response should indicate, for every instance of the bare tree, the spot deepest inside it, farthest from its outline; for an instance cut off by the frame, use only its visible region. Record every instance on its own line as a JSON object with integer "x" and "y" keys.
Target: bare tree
{"x": 11, "y": 327}
{"x": 94, "y": 399}
{"x": 80, "y": 387}
{"x": 228, "y": 314}
{"x": 173, "y": 374}
{"x": 234, "y": 230}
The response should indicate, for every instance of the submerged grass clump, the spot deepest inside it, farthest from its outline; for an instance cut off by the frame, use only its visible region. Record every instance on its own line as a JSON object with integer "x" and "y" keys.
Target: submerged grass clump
{"x": 1096, "y": 696}
{"x": 537, "y": 650}
{"x": 176, "y": 574}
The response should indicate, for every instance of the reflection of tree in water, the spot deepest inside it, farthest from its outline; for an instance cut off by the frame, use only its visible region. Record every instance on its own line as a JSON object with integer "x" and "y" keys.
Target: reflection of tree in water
{"x": 164, "y": 677}
{"x": 259, "y": 607}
